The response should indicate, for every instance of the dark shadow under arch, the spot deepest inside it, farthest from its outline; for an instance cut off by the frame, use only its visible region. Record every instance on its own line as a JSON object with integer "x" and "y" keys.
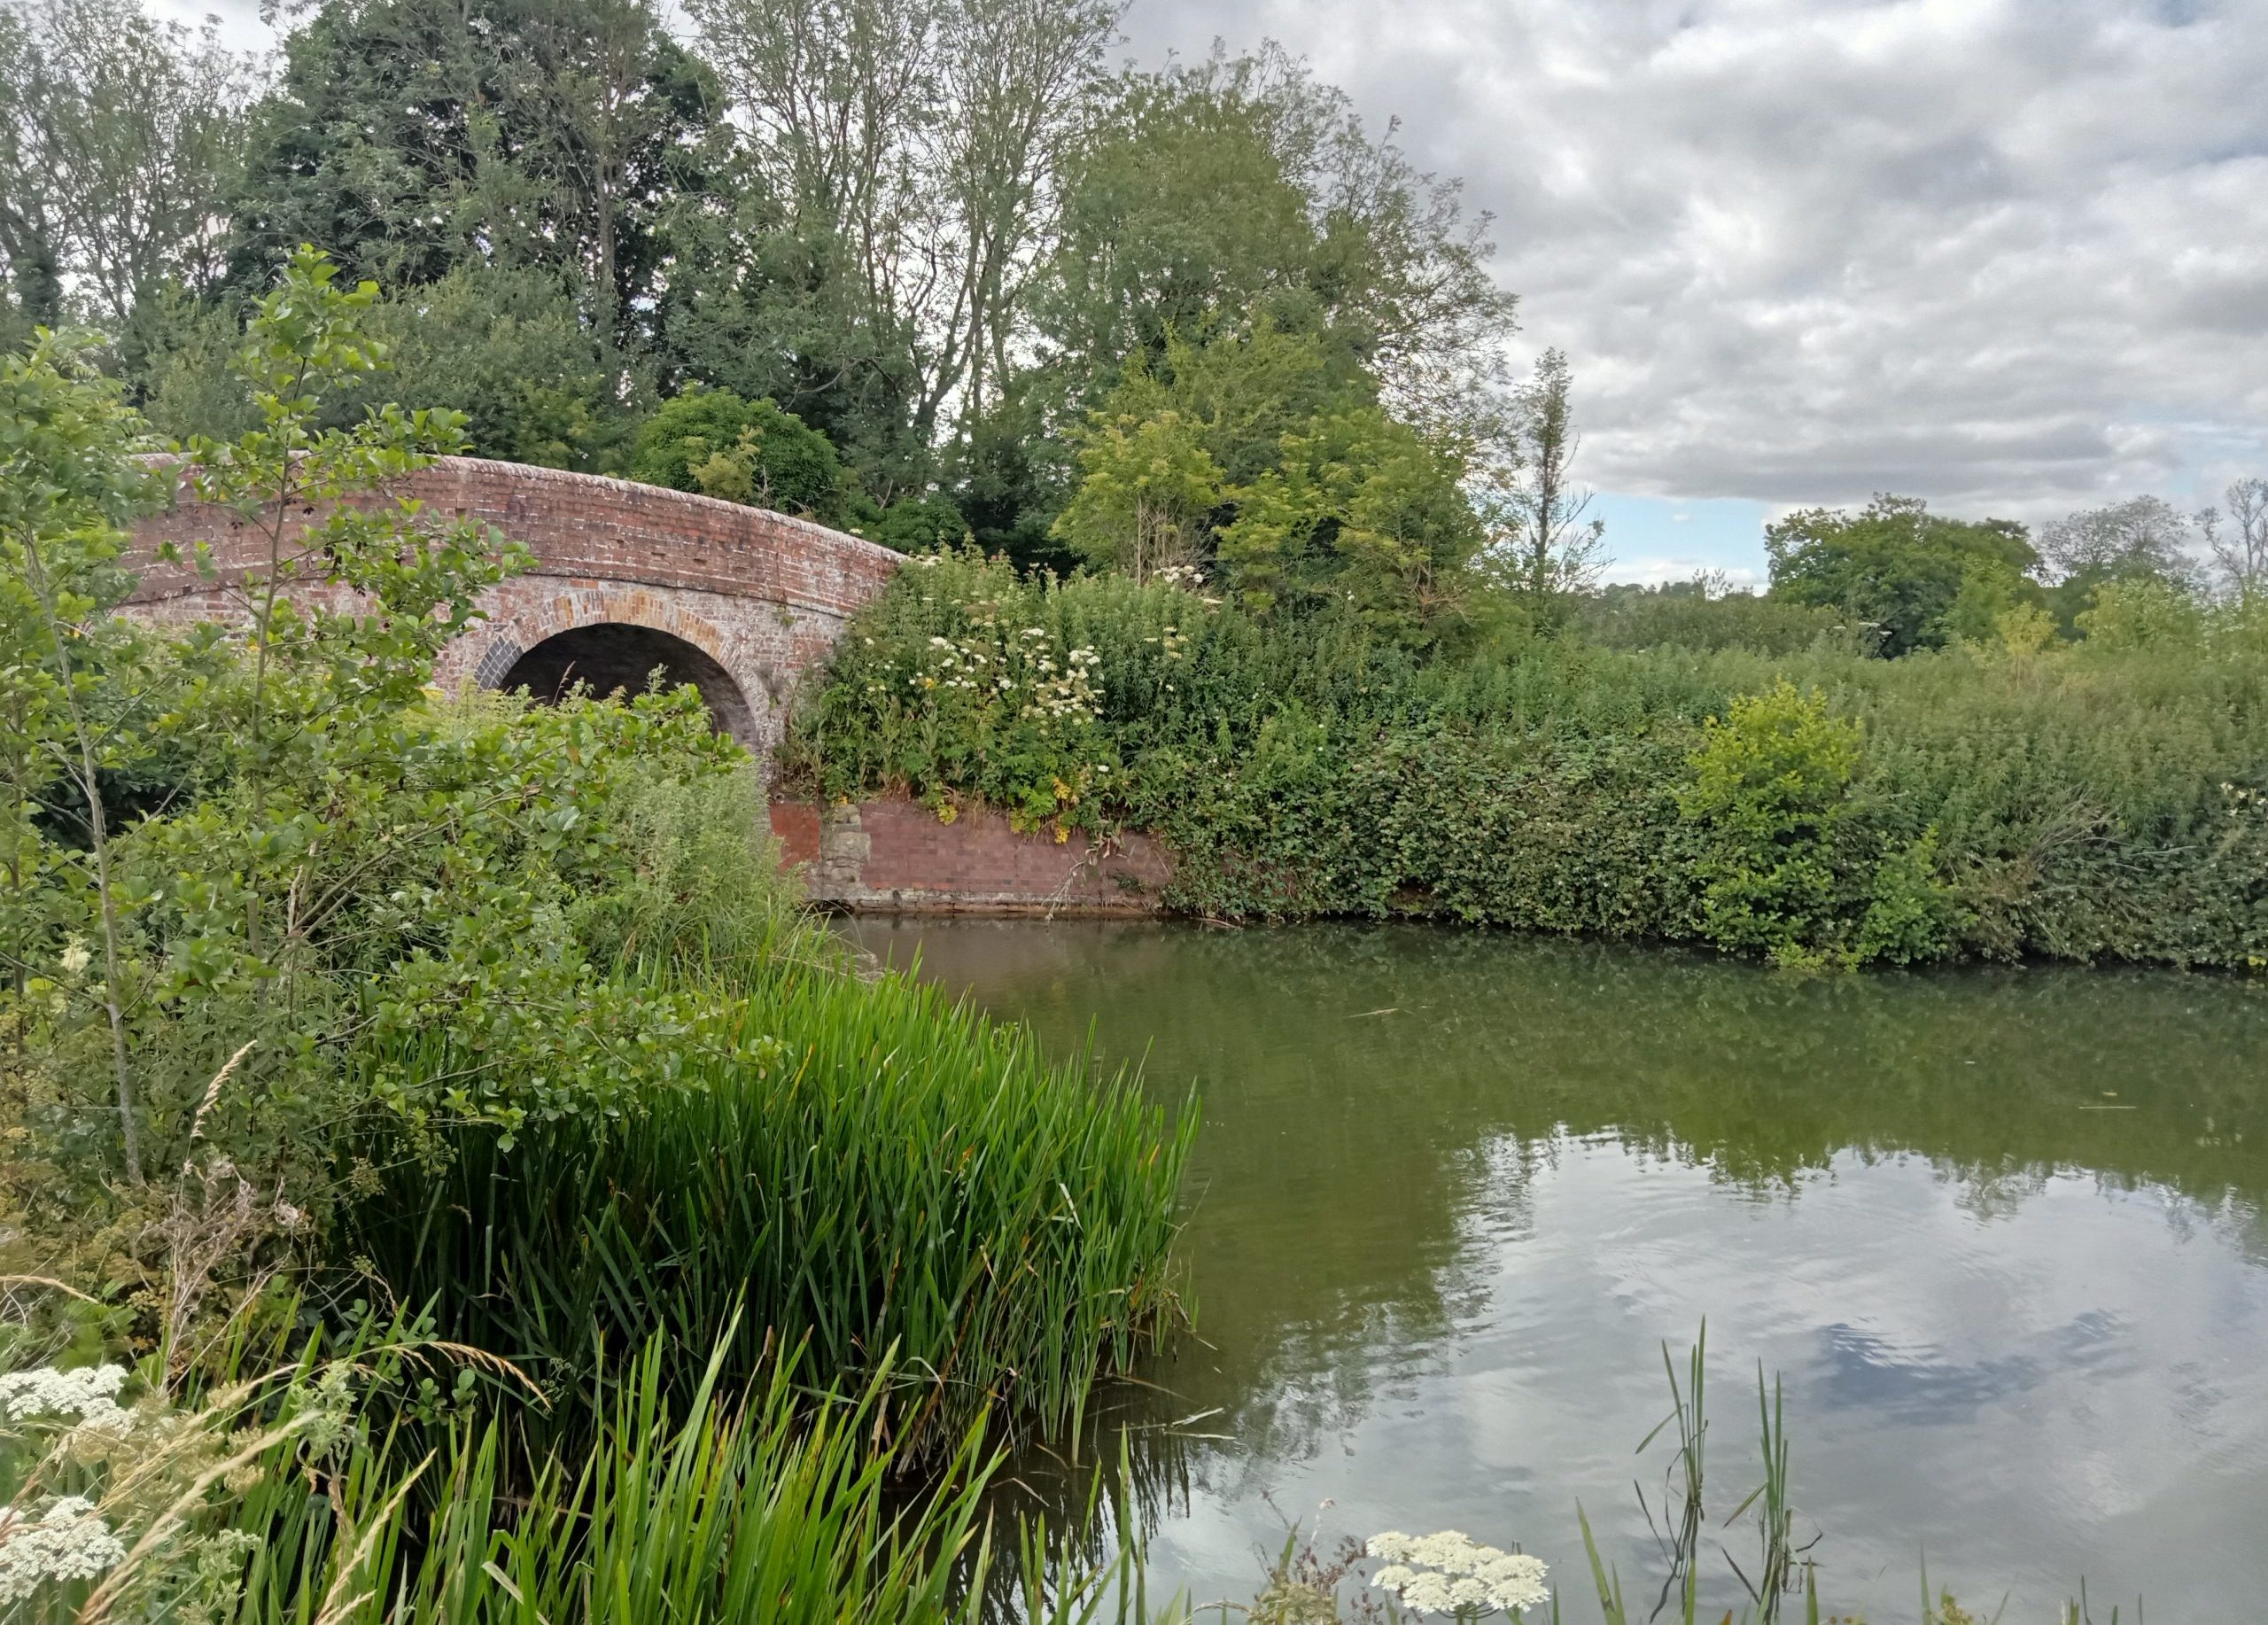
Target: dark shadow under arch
{"x": 614, "y": 656}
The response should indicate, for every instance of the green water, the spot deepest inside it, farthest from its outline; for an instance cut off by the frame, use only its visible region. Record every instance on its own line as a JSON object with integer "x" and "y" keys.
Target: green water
{"x": 2001, "y": 1232}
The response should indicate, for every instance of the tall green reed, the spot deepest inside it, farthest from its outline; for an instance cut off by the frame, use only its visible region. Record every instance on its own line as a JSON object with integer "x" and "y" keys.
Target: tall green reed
{"x": 860, "y": 1167}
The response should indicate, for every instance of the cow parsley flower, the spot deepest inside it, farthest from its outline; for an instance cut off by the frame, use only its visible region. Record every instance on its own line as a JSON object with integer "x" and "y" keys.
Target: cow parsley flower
{"x": 70, "y": 1542}
{"x": 1515, "y": 1581}
{"x": 48, "y": 1392}
{"x": 1449, "y": 1573}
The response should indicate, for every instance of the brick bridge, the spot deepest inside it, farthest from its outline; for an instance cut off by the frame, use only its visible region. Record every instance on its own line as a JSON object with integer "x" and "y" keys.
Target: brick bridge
{"x": 625, "y": 578}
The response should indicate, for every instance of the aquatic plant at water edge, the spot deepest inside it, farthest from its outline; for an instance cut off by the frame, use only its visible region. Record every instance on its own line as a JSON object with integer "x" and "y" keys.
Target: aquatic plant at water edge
{"x": 857, "y": 1167}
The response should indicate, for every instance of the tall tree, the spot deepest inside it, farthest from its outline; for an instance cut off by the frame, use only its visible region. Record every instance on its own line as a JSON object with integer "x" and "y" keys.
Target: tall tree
{"x": 2239, "y": 537}
{"x": 2146, "y": 537}
{"x": 1222, "y": 191}
{"x": 1914, "y": 578}
{"x": 913, "y": 147}
{"x": 415, "y": 137}
{"x": 119, "y": 134}
{"x": 1544, "y": 546}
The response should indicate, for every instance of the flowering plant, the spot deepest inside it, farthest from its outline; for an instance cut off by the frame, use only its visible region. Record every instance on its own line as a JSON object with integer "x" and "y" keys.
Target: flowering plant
{"x": 1449, "y": 1573}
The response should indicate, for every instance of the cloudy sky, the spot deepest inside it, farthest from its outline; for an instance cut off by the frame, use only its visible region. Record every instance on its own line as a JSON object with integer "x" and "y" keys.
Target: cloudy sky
{"x": 2010, "y": 255}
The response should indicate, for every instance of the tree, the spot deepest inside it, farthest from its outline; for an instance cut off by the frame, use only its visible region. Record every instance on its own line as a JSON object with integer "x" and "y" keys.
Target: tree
{"x": 626, "y": 126}
{"x": 1911, "y": 579}
{"x": 507, "y": 350}
{"x": 2144, "y": 537}
{"x": 2240, "y": 550}
{"x": 1238, "y": 190}
{"x": 68, "y": 488}
{"x": 712, "y": 441}
{"x": 1544, "y": 549}
{"x": 912, "y": 147}
{"x": 1147, "y": 484}
{"x": 118, "y": 133}
{"x": 415, "y": 137}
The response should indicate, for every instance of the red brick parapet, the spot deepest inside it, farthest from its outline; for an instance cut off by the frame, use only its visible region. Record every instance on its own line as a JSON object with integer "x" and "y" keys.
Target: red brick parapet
{"x": 898, "y": 857}
{"x": 762, "y": 595}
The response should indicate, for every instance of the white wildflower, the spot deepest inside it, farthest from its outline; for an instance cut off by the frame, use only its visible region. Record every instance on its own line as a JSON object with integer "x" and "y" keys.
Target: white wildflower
{"x": 48, "y": 1392}
{"x": 68, "y": 1543}
{"x": 1429, "y": 1594}
{"x": 1393, "y": 1577}
{"x": 1515, "y": 1581}
{"x": 1451, "y": 1550}
{"x": 1393, "y": 1545}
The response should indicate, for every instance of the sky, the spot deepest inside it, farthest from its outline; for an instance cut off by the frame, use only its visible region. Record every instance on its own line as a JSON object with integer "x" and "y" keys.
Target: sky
{"x": 2010, "y": 256}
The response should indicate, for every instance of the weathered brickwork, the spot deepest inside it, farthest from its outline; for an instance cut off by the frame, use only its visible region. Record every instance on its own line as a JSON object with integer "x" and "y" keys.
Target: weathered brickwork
{"x": 893, "y": 856}
{"x": 762, "y": 594}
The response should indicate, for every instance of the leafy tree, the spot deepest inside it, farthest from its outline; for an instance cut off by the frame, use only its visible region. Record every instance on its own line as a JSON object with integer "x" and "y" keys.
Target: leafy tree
{"x": 116, "y": 133}
{"x": 918, "y": 525}
{"x": 1146, "y": 486}
{"x": 2142, "y": 612}
{"x": 1542, "y": 548}
{"x": 1240, "y": 190}
{"x": 1008, "y": 481}
{"x": 1253, "y": 457}
{"x": 912, "y": 148}
{"x": 2143, "y": 539}
{"x": 1900, "y": 571}
{"x": 68, "y": 488}
{"x": 506, "y": 350}
{"x": 712, "y": 441}
{"x": 414, "y": 137}
{"x": 1363, "y": 510}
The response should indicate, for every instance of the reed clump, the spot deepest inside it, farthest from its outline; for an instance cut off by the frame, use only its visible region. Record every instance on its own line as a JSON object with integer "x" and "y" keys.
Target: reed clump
{"x": 851, "y": 1167}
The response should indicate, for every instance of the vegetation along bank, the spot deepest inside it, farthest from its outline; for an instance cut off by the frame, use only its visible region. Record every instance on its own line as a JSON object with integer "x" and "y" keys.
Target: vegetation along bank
{"x": 2089, "y": 799}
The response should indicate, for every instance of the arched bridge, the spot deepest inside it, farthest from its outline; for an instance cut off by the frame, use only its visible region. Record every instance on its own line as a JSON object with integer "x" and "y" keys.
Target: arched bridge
{"x": 737, "y": 600}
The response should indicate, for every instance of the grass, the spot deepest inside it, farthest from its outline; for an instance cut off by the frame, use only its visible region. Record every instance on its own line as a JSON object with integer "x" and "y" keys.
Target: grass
{"x": 849, "y": 1168}
{"x": 773, "y": 1506}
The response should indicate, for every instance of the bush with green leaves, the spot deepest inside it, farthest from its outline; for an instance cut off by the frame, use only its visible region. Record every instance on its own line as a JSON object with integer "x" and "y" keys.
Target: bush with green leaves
{"x": 1985, "y": 801}
{"x": 711, "y": 441}
{"x": 242, "y": 858}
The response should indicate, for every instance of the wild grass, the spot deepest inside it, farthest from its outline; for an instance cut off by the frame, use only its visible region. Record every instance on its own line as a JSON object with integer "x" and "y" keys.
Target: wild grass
{"x": 299, "y": 1503}
{"x": 848, "y": 1167}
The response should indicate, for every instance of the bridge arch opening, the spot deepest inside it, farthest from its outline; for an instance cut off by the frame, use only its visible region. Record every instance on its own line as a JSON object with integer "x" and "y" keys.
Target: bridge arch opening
{"x": 613, "y": 656}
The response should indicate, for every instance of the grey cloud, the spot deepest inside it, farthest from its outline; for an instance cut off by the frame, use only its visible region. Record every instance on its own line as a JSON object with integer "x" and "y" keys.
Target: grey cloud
{"x": 2003, "y": 255}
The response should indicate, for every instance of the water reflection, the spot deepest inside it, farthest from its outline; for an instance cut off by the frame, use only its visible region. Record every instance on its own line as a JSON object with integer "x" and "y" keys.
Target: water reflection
{"x": 2001, "y": 1229}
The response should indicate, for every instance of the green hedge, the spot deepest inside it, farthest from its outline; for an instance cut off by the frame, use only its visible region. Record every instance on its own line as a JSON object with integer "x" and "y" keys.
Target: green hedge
{"x": 2073, "y": 803}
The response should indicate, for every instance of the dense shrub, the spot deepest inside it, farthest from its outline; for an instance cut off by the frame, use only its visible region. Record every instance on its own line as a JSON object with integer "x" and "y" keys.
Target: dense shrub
{"x": 2088, "y": 803}
{"x": 711, "y": 441}
{"x": 1689, "y": 615}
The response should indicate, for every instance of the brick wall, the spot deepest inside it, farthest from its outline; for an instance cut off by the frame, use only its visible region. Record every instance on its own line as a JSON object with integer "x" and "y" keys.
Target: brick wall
{"x": 892, "y": 856}
{"x": 762, "y": 594}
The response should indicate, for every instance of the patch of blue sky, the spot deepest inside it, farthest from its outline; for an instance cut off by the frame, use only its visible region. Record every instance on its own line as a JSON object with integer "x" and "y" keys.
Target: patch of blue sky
{"x": 1654, "y": 539}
